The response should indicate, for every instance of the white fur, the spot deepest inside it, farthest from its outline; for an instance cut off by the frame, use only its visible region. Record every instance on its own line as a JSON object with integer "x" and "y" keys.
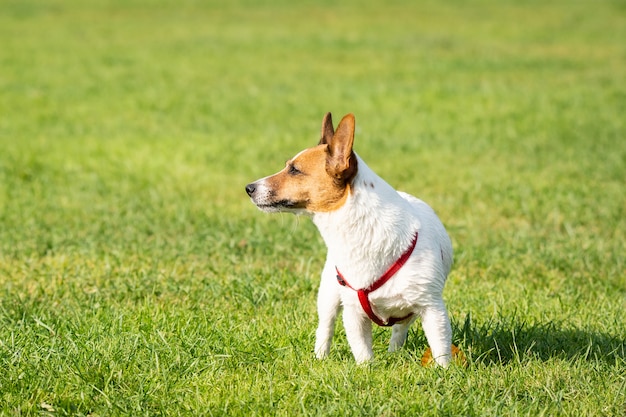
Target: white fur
{"x": 364, "y": 237}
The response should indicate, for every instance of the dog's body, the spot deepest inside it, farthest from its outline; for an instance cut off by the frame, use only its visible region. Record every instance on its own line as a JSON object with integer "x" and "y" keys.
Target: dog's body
{"x": 367, "y": 226}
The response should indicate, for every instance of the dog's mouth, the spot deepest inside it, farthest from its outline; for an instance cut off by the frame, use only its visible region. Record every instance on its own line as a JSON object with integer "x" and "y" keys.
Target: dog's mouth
{"x": 280, "y": 205}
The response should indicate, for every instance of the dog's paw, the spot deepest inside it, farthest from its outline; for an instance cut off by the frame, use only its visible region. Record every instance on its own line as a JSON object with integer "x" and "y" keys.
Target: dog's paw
{"x": 364, "y": 361}
{"x": 458, "y": 357}
{"x": 363, "y": 357}
{"x": 321, "y": 355}
{"x": 322, "y": 350}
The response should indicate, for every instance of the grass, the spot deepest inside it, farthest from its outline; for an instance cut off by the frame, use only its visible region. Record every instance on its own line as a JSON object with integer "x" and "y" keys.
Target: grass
{"x": 137, "y": 279}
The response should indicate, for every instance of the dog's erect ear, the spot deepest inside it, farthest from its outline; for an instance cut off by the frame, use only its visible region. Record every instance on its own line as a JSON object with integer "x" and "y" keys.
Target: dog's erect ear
{"x": 341, "y": 162}
{"x": 327, "y": 129}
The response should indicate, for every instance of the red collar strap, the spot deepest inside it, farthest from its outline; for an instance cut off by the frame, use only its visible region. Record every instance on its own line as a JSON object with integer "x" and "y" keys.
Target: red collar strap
{"x": 363, "y": 293}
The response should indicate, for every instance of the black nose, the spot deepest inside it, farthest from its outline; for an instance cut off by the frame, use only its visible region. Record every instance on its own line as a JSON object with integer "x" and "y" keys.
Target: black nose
{"x": 250, "y": 189}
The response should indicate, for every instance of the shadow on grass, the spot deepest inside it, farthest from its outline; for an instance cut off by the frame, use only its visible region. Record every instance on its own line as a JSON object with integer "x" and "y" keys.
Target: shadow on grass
{"x": 516, "y": 341}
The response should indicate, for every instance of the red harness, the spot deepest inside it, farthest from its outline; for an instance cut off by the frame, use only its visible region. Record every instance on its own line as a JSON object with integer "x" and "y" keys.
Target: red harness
{"x": 363, "y": 293}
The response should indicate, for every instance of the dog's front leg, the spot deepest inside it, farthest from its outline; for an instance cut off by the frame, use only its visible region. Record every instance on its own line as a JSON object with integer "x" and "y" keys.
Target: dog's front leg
{"x": 328, "y": 305}
{"x": 359, "y": 333}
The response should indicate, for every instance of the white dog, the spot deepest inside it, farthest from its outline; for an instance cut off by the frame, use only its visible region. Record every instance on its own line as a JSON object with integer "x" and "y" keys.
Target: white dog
{"x": 388, "y": 253}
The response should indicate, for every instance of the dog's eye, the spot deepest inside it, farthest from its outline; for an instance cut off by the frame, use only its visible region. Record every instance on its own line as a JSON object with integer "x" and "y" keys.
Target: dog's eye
{"x": 293, "y": 170}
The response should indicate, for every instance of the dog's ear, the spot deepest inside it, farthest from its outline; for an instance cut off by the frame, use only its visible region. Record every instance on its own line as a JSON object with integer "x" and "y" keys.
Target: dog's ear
{"x": 341, "y": 161}
{"x": 327, "y": 129}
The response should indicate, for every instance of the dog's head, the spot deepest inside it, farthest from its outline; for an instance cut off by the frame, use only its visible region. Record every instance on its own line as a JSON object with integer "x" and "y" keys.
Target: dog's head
{"x": 317, "y": 179}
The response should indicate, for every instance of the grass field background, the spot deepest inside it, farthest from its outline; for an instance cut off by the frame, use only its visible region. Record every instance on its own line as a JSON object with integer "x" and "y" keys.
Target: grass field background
{"x": 136, "y": 278}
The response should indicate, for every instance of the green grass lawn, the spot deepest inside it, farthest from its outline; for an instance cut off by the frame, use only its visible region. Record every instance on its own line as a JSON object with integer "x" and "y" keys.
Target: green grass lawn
{"x": 136, "y": 278}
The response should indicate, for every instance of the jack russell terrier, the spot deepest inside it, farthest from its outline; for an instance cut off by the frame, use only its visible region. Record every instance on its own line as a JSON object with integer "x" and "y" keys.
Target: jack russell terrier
{"x": 388, "y": 253}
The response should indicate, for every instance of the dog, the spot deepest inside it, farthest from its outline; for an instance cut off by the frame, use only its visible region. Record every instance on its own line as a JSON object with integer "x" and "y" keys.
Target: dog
{"x": 388, "y": 253}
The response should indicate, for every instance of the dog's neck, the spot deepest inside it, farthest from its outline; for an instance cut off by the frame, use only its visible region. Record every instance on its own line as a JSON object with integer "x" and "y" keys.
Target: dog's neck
{"x": 370, "y": 231}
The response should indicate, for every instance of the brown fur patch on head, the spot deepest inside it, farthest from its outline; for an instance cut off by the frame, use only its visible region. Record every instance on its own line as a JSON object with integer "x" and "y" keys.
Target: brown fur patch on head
{"x": 305, "y": 183}
{"x": 317, "y": 179}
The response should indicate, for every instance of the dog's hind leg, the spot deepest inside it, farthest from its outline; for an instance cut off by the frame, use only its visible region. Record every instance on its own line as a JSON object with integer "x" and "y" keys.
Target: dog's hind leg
{"x": 328, "y": 306}
{"x": 438, "y": 332}
{"x": 399, "y": 333}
